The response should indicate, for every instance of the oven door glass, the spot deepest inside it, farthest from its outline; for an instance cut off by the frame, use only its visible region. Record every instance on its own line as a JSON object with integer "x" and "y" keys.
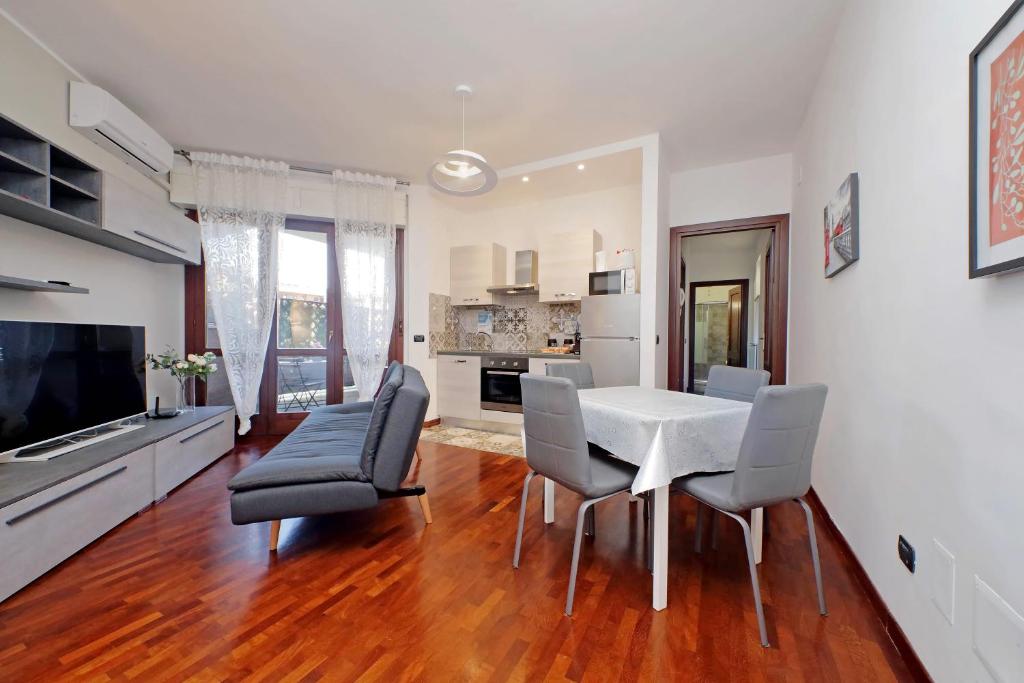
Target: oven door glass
{"x": 606, "y": 282}
{"x": 500, "y": 390}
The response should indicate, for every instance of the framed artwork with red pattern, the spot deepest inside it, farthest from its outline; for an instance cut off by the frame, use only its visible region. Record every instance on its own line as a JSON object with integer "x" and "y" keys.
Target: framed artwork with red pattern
{"x": 996, "y": 162}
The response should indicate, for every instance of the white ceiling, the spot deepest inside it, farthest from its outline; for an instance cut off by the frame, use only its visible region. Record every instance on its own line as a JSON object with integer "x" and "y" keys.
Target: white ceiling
{"x": 368, "y": 85}
{"x": 600, "y": 173}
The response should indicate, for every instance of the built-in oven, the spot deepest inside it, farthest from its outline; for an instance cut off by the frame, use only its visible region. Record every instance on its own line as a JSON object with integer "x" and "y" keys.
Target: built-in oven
{"x": 499, "y": 383}
{"x": 622, "y": 281}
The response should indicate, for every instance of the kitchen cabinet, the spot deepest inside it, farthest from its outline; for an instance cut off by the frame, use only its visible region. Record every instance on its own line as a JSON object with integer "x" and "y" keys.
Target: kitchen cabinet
{"x": 538, "y": 366}
{"x": 474, "y": 268}
{"x": 458, "y": 387}
{"x": 565, "y": 263}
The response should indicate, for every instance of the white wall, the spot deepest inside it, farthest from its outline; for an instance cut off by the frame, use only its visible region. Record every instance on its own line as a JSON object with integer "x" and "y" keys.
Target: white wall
{"x": 745, "y": 189}
{"x": 923, "y": 433}
{"x": 426, "y": 272}
{"x": 124, "y": 289}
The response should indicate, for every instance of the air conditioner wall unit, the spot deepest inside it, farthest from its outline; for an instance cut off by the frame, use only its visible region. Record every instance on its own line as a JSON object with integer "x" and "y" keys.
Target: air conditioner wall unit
{"x": 110, "y": 124}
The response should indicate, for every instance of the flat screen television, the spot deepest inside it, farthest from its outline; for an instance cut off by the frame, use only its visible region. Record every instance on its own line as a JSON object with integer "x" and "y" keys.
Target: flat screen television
{"x": 57, "y": 379}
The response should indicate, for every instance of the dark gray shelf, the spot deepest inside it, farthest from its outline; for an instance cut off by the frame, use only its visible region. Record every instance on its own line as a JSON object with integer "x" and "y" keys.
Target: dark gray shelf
{"x": 30, "y": 211}
{"x": 41, "y": 183}
{"x": 8, "y": 282}
{"x": 9, "y": 162}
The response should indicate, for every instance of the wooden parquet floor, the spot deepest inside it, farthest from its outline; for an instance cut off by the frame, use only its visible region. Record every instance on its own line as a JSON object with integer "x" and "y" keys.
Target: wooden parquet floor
{"x": 178, "y": 593}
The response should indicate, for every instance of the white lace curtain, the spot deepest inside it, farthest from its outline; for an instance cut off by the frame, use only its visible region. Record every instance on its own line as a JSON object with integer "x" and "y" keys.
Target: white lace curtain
{"x": 365, "y": 241}
{"x": 241, "y": 204}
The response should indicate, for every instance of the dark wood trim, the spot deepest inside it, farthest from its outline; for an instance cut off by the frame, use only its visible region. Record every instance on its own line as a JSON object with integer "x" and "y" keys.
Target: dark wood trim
{"x": 431, "y": 423}
{"x": 691, "y": 296}
{"x": 892, "y": 628}
{"x": 778, "y": 289}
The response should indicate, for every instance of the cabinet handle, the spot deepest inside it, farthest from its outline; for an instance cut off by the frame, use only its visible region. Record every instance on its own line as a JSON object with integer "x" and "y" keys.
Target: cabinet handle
{"x": 201, "y": 431}
{"x": 175, "y": 247}
{"x": 462, "y": 361}
{"x": 61, "y": 498}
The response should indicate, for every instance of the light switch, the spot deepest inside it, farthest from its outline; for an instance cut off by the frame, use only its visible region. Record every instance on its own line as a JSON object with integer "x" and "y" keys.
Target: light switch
{"x": 943, "y": 579}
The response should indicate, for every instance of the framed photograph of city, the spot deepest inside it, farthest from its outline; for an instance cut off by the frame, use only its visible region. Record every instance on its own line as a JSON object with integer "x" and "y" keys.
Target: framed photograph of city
{"x": 996, "y": 220}
{"x": 842, "y": 228}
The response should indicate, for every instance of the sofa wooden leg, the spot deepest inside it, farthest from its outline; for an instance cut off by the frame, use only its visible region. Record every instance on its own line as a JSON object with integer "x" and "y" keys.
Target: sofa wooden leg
{"x": 275, "y": 530}
{"x": 425, "y": 505}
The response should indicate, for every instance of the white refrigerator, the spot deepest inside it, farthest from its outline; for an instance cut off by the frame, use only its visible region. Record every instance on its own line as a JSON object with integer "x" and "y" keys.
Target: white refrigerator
{"x": 610, "y": 338}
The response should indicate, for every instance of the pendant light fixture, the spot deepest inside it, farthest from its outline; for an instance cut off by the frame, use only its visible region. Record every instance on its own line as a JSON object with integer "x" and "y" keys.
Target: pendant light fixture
{"x": 462, "y": 172}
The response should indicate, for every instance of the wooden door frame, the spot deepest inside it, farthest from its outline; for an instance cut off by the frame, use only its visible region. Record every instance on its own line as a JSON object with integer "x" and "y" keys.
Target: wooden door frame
{"x": 691, "y": 297}
{"x": 777, "y": 289}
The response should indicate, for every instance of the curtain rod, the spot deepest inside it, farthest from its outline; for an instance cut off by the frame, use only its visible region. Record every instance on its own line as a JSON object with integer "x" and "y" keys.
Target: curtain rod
{"x": 188, "y": 157}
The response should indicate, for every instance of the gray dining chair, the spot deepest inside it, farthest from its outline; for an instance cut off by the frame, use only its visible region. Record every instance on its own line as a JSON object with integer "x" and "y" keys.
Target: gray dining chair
{"x": 581, "y": 374}
{"x": 557, "y": 448}
{"x": 737, "y": 384}
{"x": 774, "y": 466}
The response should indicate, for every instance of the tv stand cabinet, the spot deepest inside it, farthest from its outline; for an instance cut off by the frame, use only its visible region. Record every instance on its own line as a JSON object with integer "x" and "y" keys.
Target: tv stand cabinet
{"x": 50, "y": 510}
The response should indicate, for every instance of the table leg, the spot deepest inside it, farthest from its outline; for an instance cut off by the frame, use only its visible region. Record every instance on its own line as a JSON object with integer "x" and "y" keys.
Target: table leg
{"x": 549, "y": 501}
{"x": 757, "y": 531}
{"x": 659, "y": 591}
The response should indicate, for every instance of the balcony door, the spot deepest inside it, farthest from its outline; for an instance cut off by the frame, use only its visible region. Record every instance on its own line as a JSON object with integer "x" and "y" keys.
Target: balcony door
{"x": 306, "y": 364}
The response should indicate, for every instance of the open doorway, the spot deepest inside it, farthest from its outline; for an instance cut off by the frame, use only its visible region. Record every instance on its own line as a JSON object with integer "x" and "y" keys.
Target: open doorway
{"x": 729, "y": 289}
{"x": 718, "y": 328}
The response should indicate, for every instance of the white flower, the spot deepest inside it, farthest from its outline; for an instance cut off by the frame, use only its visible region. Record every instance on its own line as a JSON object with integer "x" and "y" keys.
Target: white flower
{"x": 180, "y": 365}
{"x": 213, "y": 368}
{"x": 200, "y": 362}
{"x": 192, "y": 357}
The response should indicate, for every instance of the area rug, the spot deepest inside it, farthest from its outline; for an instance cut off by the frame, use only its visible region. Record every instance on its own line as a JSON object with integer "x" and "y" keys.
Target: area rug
{"x": 505, "y": 444}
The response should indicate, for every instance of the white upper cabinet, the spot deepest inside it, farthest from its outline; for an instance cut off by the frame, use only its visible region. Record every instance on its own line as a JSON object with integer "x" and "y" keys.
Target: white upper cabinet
{"x": 565, "y": 262}
{"x": 474, "y": 268}
{"x": 165, "y": 233}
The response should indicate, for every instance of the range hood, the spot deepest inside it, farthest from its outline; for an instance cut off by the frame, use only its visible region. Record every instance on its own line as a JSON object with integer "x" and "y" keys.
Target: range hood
{"x": 526, "y": 275}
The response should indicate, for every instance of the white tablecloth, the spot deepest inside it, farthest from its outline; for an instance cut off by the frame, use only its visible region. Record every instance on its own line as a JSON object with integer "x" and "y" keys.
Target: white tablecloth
{"x": 667, "y": 434}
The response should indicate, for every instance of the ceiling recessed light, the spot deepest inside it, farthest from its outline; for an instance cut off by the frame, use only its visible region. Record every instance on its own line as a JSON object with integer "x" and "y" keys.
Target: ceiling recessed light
{"x": 526, "y": 178}
{"x": 580, "y": 167}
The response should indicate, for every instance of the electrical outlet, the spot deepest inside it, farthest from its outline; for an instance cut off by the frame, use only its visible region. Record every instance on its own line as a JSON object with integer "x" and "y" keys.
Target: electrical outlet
{"x": 907, "y": 554}
{"x": 417, "y": 338}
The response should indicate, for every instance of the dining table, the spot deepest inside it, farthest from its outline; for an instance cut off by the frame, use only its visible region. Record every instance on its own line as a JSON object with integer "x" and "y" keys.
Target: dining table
{"x": 666, "y": 434}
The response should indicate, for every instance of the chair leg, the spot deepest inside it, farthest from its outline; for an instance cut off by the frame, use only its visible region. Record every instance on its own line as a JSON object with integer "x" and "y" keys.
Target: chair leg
{"x": 753, "y": 577}
{"x": 698, "y": 527}
{"x": 591, "y": 522}
{"x": 425, "y": 506}
{"x": 580, "y": 520}
{"x": 522, "y": 518}
{"x": 814, "y": 555}
{"x": 275, "y": 531}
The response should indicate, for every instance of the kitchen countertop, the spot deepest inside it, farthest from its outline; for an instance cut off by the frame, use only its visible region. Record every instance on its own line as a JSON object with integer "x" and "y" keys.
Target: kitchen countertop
{"x": 519, "y": 354}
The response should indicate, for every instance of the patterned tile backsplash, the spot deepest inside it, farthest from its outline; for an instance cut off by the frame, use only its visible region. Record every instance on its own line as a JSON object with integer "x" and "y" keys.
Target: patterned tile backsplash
{"x": 521, "y": 323}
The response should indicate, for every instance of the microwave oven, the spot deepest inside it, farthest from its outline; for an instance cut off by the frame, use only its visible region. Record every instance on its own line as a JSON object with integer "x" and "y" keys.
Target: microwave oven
{"x": 621, "y": 281}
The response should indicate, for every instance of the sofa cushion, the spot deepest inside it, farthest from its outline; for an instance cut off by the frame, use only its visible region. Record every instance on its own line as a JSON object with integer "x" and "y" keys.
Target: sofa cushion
{"x": 379, "y": 416}
{"x": 401, "y": 431}
{"x": 325, "y": 447}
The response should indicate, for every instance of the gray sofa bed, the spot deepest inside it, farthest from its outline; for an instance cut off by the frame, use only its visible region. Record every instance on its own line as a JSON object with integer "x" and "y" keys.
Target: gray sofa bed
{"x": 342, "y": 457}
